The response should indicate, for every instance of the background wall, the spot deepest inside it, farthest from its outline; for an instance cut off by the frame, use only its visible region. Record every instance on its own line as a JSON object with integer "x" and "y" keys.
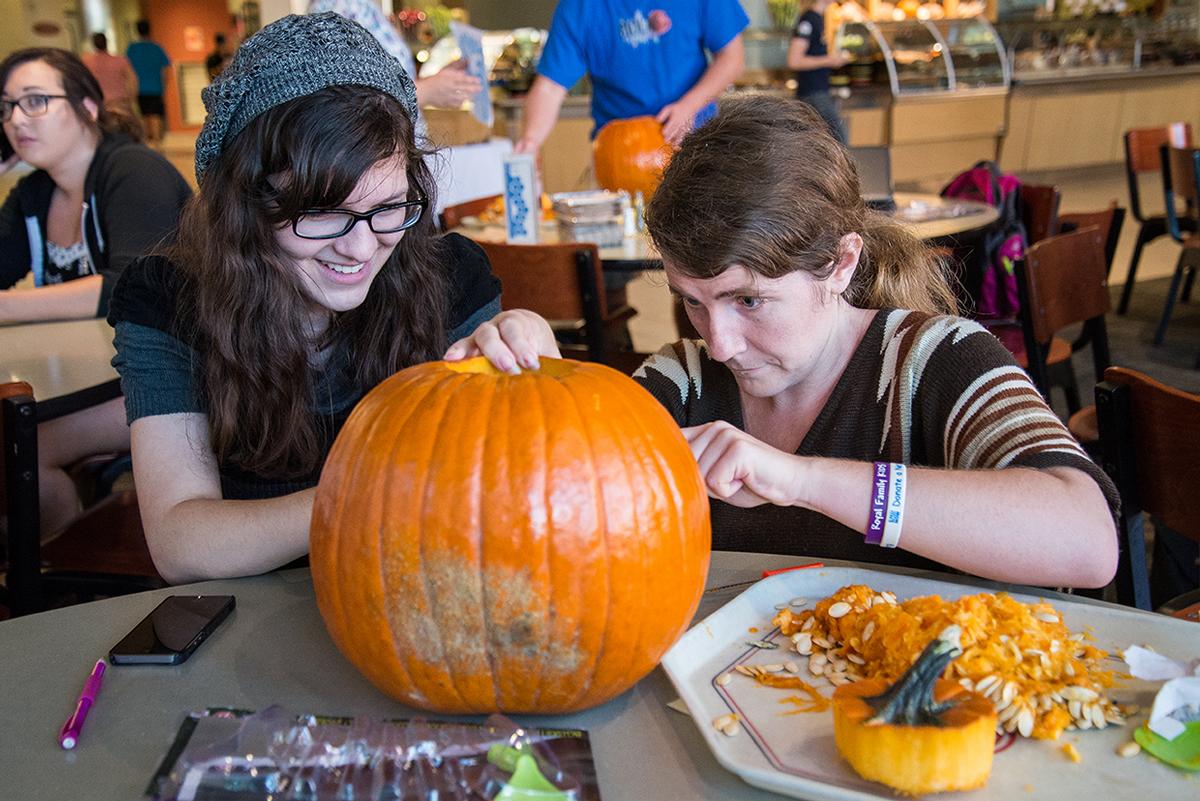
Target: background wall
{"x": 504, "y": 14}
{"x": 179, "y": 28}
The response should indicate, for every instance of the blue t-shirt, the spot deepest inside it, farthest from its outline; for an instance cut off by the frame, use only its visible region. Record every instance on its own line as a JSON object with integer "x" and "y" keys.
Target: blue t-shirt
{"x": 148, "y": 60}
{"x": 640, "y": 54}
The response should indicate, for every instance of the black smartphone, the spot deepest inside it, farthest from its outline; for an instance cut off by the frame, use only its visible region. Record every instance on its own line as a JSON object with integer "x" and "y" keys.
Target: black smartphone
{"x": 6, "y": 148}
{"x": 169, "y": 634}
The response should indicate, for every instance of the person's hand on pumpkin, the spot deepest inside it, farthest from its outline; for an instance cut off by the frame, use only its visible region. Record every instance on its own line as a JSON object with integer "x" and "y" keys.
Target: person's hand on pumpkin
{"x": 511, "y": 340}
{"x": 741, "y": 470}
{"x": 677, "y": 120}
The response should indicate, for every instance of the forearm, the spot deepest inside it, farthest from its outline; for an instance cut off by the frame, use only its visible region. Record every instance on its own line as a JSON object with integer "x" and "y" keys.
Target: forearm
{"x": 73, "y": 300}
{"x": 726, "y": 67}
{"x": 804, "y": 63}
{"x": 209, "y": 538}
{"x": 1045, "y": 527}
{"x": 541, "y": 112}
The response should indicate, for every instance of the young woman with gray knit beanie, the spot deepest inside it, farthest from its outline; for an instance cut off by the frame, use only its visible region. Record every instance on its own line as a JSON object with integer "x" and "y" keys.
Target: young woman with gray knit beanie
{"x": 306, "y": 271}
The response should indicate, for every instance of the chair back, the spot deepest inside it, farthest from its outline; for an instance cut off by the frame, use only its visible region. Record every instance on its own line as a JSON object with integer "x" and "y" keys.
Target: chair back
{"x": 1142, "y": 155}
{"x": 452, "y": 216}
{"x": 1149, "y": 438}
{"x": 11, "y": 389}
{"x": 1066, "y": 282}
{"x": 1181, "y": 181}
{"x": 558, "y": 281}
{"x": 1107, "y": 223}
{"x": 1039, "y": 211}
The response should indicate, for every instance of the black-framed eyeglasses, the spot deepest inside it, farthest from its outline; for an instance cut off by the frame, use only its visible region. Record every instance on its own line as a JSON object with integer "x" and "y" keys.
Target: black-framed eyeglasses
{"x": 32, "y": 105}
{"x": 332, "y": 223}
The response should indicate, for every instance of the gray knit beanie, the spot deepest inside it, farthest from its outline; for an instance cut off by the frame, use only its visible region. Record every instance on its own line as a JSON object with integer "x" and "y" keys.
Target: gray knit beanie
{"x": 290, "y": 58}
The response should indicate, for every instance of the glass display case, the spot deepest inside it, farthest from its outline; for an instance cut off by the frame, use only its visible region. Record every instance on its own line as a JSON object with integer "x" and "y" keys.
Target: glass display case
{"x": 924, "y": 56}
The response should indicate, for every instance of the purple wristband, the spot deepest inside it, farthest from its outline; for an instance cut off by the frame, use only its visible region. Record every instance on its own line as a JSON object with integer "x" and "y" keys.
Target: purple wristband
{"x": 876, "y": 519}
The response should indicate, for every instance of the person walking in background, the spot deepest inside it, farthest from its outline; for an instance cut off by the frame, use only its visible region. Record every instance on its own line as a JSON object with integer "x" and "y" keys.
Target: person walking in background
{"x": 114, "y": 74}
{"x": 643, "y": 58}
{"x": 219, "y": 58}
{"x": 808, "y": 54}
{"x": 149, "y": 62}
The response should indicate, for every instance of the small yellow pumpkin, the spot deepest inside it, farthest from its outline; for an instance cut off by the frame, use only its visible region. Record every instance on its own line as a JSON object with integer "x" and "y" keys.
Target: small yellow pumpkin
{"x": 921, "y": 735}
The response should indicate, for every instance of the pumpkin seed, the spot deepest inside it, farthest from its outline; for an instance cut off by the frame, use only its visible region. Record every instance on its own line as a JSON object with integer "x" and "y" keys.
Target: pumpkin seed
{"x": 808, "y": 624}
{"x": 719, "y": 723}
{"x": 798, "y": 602}
{"x": 780, "y": 607}
{"x": 1025, "y": 723}
{"x": 890, "y": 597}
{"x": 1128, "y": 749}
{"x": 1047, "y": 617}
{"x": 1074, "y": 692}
{"x": 868, "y": 630}
{"x": 856, "y": 659}
{"x": 822, "y": 642}
{"x": 966, "y": 684}
{"x": 837, "y": 679}
{"x": 744, "y": 670}
{"x": 791, "y": 667}
{"x": 1074, "y": 709}
{"x": 724, "y": 679}
{"x": 1097, "y": 715}
{"x": 839, "y": 609}
{"x": 763, "y": 644}
{"x": 772, "y": 668}
{"x": 1009, "y": 692}
{"x": 803, "y": 643}
{"x": 816, "y": 668}
{"x": 987, "y": 683}
{"x": 732, "y": 729}
{"x": 1069, "y": 669}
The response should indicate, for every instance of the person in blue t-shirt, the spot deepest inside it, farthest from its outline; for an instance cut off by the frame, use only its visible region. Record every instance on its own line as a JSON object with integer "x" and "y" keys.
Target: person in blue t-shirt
{"x": 808, "y": 54}
{"x": 644, "y": 58}
{"x": 149, "y": 60}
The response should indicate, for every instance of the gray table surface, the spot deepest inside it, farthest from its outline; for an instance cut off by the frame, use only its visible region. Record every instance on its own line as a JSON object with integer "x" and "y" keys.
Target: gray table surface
{"x": 60, "y": 359}
{"x": 274, "y": 650}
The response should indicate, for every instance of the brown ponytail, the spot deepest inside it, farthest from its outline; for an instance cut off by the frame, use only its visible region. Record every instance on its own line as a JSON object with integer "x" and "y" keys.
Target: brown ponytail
{"x": 765, "y": 186}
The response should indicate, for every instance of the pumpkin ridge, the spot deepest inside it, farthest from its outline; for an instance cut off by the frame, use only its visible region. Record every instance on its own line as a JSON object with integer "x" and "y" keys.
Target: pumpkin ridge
{"x": 402, "y": 647}
{"x": 432, "y": 633}
{"x": 573, "y": 391}
{"x": 489, "y": 413}
{"x": 337, "y": 600}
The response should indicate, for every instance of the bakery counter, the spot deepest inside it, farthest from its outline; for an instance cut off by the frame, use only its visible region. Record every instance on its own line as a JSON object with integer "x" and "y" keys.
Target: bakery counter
{"x": 1079, "y": 120}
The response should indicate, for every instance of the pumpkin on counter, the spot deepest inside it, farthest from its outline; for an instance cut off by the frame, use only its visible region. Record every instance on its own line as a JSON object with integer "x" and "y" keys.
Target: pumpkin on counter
{"x": 630, "y": 154}
{"x": 924, "y": 734}
{"x": 520, "y": 543}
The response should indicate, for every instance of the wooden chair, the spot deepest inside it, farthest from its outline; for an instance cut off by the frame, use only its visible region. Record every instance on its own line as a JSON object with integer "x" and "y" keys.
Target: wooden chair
{"x": 1039, "y": 211}
{"x": 1149, "y": 438}
{"x": 563, "y": 283}
{"x": 1181, "y": 181}
{"x": 452, "y": 216}
{"x": 1142, "y": 146}
{"x": 102, "y": 552}
{"x": 1108, "y": 223}
{"x": 1062, "y": 282}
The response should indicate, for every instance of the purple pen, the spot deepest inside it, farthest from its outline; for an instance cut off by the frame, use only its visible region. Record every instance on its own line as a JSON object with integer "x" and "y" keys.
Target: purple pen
{"x": 70, "y": 730}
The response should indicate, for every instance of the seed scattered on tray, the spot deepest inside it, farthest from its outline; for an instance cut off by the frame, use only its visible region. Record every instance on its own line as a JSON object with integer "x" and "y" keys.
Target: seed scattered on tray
{"x": 724, "y": 679}
{"x": 763, "y": 644}
{"x": 727, "y": 724}
{"x": 1128, "y": 749}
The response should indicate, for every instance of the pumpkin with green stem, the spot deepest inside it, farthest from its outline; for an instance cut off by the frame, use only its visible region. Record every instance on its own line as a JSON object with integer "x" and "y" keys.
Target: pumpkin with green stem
{"x": 924, "y": 734}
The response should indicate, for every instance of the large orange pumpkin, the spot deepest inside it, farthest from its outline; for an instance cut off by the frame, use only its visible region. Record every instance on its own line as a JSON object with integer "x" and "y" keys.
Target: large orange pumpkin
{"x": 487, "y": 542}
{"x": 631, "y": 155}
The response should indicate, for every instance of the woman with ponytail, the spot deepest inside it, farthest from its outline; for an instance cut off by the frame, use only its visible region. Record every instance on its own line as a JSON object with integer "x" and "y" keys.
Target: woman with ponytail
{"x": 96, "y": 200}
{"x": 835, "y": 405}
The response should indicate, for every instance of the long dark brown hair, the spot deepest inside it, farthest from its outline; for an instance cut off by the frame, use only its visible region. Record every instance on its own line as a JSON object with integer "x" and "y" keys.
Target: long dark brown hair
{"x": 78, "y": 85}
{"x": 764, "y": 185}
{"x": 249, "y": 307}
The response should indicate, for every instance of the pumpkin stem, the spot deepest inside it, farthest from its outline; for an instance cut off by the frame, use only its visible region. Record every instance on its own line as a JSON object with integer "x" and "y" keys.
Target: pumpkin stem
{"x": 909, "y": 702}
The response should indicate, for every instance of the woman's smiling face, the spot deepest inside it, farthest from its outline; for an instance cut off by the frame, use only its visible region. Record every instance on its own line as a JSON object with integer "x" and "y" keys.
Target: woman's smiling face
{"x": 338, "y": 273}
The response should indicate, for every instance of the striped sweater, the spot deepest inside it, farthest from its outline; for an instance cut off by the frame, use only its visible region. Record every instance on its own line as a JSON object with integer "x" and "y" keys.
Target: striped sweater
{"x": 924, "y": 390}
